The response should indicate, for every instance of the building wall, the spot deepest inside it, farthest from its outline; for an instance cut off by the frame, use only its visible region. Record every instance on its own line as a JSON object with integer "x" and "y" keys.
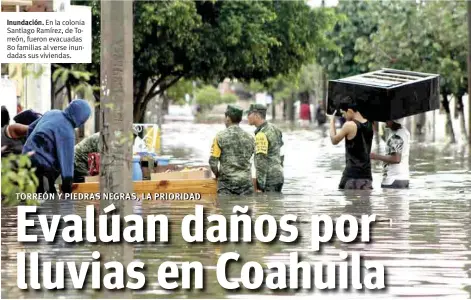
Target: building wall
{"x": 33, "y": 81}
{"x": 33, "y": 84}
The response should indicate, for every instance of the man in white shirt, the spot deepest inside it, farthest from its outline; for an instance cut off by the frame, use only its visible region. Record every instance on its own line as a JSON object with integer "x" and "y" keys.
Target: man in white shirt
{"x": 396, "y": 160}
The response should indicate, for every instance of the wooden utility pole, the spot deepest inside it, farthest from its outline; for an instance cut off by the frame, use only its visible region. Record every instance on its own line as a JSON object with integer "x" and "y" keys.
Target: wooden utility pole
{"x": 116, "y": 96}
{"x": 469, "y": 72}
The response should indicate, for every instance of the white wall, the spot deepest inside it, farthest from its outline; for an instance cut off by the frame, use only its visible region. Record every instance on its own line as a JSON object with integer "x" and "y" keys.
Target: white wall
{"x": 440, "y": 122}
{"x": 8, "y": 94}
{"x": 38, "y": 89}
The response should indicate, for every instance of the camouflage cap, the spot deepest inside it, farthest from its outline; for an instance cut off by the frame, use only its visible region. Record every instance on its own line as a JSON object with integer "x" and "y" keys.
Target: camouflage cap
{"x": 234, "y": 110}
{"x": 257, "y": 108}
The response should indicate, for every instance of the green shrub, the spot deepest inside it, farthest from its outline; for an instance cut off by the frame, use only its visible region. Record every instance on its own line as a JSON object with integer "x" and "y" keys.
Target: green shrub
{"x": 17, "y": 177}
{"x": 229, "y": 98}
{"x": 207, "y": 97}
{"x": 176, "y": 93}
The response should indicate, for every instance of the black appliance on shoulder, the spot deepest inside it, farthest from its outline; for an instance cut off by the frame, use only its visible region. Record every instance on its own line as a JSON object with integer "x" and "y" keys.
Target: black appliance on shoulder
{"x": 386, "y": 94}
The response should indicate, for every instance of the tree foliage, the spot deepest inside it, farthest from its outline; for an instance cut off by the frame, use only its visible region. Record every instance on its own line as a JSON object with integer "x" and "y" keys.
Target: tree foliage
{"x": 426, "y": 36}
{"x": 178, "y": 91}
{"x": 451, "y": 48}
{"x": 356, "y": 21}
{"x": 208, "y": 96}
{"x": 213, "y": 40}
{"x": 228, "y": 98}
{"x": 17, "y": 177}
{"x": 429, "y": 37}
{"x": 74, "y": 79}
{"x": 283, "y": 87}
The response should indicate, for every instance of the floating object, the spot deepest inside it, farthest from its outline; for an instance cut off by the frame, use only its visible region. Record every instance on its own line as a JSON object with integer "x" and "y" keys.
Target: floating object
{"x": 152, "y": 139}
{"x": 136, "y": 168}
{"x": 191, "y": 174}
{"x": 139, "y": 145}
{"x": 387, "y": 94}
{"x": 150, "y": 134}
{"x": 162, "y": 160}
{"x": 95, "y": 178}
{"x": 201, "y": 186}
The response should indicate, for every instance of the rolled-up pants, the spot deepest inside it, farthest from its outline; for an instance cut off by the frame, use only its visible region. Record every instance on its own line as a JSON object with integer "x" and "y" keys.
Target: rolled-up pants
{"x": 355, "y": 184}
{"x": 397, "y": 184}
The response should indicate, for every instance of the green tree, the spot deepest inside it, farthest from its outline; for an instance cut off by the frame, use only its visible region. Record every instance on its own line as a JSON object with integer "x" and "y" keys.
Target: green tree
{"x": 451, "y": 54}
{"x": 176, "y": 93}
{"x": 213, "y": 40}
{"x": 428, "y": 37}
{"x": 285, "y": 88}
{"x": 74, "y": 79}
{"x": 356, "y": 21}
{"x": 228, "y": 99}
{"x": 281, "y": 89}
{"x": 451, "y": 49}
{"x": 207, "y": 97}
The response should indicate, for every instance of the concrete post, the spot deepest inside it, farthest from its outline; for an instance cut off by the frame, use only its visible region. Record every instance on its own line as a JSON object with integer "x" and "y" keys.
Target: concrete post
{"x": 116, "y": 96}
{"x": 116, "y": 119}
{"x": 469, "y": 72}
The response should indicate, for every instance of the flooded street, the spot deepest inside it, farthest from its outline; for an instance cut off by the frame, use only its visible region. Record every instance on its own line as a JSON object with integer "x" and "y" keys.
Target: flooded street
{"x": 424, "y": 242}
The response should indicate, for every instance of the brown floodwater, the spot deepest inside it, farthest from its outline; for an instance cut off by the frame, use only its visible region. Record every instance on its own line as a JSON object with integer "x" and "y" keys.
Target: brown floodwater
{"x": 423, "y": 239}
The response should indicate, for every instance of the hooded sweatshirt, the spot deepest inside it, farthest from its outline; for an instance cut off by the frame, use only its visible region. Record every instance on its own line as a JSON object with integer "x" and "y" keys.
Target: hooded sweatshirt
{"x": 52, "y": 138}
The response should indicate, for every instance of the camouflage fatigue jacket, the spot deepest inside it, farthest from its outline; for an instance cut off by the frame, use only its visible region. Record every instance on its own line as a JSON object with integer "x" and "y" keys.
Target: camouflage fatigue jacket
{"x": 82, "y": 149}
{"x": 233, "y": 148}
{"x": 268, "y": 160}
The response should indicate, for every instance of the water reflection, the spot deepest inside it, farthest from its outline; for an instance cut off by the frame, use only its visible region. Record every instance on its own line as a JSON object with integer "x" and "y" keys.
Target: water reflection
{"x": 423, "y": 235}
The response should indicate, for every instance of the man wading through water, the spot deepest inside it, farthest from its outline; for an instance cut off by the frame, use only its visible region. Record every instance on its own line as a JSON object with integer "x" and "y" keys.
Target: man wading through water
{"x": 396, "y": 160}
{"x": 232, "y": 149}
{"x": 358, "y": 134}
{"x": 268, "y": 154}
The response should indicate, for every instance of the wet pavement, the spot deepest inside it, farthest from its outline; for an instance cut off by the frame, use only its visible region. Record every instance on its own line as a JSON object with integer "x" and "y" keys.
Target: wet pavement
{"x": 424, "y": 241}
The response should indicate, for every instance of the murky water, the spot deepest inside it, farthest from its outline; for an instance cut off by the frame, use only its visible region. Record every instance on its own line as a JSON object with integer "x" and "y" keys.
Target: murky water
{"x": 425, "y": 247}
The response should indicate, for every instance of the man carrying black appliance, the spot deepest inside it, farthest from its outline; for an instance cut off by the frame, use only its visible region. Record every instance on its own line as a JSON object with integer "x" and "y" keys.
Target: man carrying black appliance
{"x": 358, "y": 134}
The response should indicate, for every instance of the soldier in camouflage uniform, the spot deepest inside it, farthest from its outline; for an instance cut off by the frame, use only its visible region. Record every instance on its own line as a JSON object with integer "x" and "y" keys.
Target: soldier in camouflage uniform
{"x": 86, "y": 146}
{"x": 233, "y": 149}
{"x": 82, "y": 149}
{"x": 268, "y": 158}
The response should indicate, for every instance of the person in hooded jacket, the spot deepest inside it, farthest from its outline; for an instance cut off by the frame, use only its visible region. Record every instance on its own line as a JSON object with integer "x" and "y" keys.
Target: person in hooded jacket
{"x": 52, "y": 138}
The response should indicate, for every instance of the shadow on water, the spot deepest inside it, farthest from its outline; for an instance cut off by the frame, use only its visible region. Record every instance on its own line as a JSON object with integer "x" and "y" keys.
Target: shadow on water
{"x": 423, "y": 236}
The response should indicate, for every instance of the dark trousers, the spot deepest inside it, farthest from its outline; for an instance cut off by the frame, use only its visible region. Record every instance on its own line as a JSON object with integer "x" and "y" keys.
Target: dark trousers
{"x": 78, "y": 177}
{"x": 355, "y": 183}
{"x": 226, "y": 191}
{"x": 274, "y": 188}
{"x": 46, "y": 179}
